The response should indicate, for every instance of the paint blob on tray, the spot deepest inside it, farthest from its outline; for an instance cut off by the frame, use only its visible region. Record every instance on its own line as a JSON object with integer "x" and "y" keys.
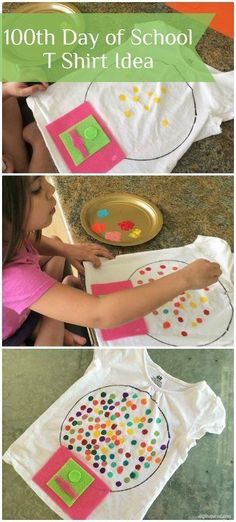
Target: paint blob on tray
{"x": 120, "y": 432}
{"x": 202, "y": 316}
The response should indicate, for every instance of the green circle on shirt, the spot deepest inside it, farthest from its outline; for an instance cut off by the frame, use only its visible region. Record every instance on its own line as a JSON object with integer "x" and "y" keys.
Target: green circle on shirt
{"x": 74, "y": 476}
{"x": 90, "y": 133}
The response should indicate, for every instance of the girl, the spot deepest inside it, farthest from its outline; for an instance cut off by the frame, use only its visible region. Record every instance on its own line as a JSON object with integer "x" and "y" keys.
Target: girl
{"x": 38, "y": 301}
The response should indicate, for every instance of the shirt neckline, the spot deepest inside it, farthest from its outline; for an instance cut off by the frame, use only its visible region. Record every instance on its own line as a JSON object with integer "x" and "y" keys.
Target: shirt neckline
{"x": 187, "y": 386}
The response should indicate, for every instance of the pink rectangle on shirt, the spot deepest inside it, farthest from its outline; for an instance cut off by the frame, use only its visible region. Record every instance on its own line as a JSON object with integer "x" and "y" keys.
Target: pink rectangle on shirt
{"x": 101, "y": 161}
{"x": 136, "y": 327}
{"x": 88, "y": 500}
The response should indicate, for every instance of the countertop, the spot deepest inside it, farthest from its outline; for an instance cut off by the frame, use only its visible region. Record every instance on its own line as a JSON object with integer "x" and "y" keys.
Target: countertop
{"x": 190, "y": 205}
{"x": 213, "y": 154}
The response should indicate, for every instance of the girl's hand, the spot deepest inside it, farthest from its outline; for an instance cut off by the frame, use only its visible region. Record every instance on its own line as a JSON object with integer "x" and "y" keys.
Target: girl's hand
{"x": 80, "y": 252}
{"x": 20, "y": 89}
{"x": 201, "y": 273}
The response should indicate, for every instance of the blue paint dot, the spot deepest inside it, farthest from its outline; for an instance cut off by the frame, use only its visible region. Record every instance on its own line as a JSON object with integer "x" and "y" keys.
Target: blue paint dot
{"x": 165, "y": 311}
{"x": 103, "y": 212}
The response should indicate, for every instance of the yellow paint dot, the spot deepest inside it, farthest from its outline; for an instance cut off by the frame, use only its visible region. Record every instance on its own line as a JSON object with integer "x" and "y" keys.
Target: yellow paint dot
{"x": 136, "y": 420}
{"x": 135, "y": 89}
{"x": 156, "y": 99}
{"x": 104, "y": 450}
{"x": 121, "y": 424}
{"x": 194, "y": 324}
{"x": 203, "y": 299}
{"x": 96, "y": 410}
{"x": 164, "y": 123}
{"x": 96, "y": 433}
{"x": 122, "y": 97}
{"x": 136, "y": 98}
{"x": 163, "y": 89}
{"x": 141, "y": 452}
{"x": 149, "y": 93}
{"x": 122, "y": 440}
{"x": 110, "y": 433}
{"x": 130, "y": 431}
{"x": 108, "y": 423}
{"x": 146, "y": 108}
{"x": 128, "y": 114}
{"x": 193, "y": 305}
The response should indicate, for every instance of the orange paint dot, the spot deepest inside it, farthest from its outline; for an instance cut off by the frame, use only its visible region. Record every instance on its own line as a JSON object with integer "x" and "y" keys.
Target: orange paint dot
{"x": 88, "y": 457}
{"x": 87, "y": 452}
{"x": 149, "y": 458}
{"x": 149, "y": 448}
{"x": 79, "y": 437}
{"x": 72, "y": 441}
{"x": 119, "y": 469}
{"x": 166, "y": 324}
{"x": 143, "y": 401}
{"x": 129, "y": 403}
{"x": 157, "y": 460}
{"x": 117, "y": 442}
{"x": 143, "y": 419}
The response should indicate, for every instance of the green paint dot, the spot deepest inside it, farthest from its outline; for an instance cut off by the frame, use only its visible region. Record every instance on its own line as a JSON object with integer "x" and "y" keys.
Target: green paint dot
{"x": 125, "y": 463}
{"x": 134, "y": 396}
{"x": 148, "y": 411}
{"x": 133, "y": 442}
{"x": 153, "y": 453}
{"x": 65, "y": 437}
{"x": 100, "y": 412}
{"x": 153, "y": 441}
{"x": 103, "y": 432}
{"x": 126, "y": 480}
{"x": 165, "y": 311}
{"x": 112, "y": 456}
{"x": 110, "y": 474}
{"x": 103, "y": 457}
{"x": 112, "y": 396}
{"x": 111, "y": 445}
{"x": 156, "y": 433}
{"x": 110, "y": 401}
{"x": 87, "y": 433}
{"x": 113, "y": 464}
{"x": 94, "y": 452}
{"x": 90, "y": 419}
{"x": 133, "y": 474}
{"x": 103, "y": 394}
{"x": 90, "y": 398}
{"x": 146, "y": 465}
{"x": 129, "y": 423}
{"x": 123, "y": 408}
{"x": 126, "y": 415}
{"x": 140, "y": 425}
{"x": 158, "y": 420}
{"x": 96, "y": 457}
{"x": 74, "y": 423}
{"x": 79, "y": 448}
{"x": 72, "y": 431}
{"x": 150, "y": 420}
{"x": 113, "y": 417}
{"x": 79, "y": 423}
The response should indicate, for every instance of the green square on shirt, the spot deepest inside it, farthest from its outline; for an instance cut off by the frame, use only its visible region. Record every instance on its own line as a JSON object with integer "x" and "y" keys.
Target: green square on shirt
{"x": 92, "y": 134}
{"x": 75, "y": 476}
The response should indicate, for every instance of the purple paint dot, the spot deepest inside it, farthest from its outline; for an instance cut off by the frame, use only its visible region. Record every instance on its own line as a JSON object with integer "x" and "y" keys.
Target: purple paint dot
{"x": 111, "y": 407}
{"x": 118, "y": 484}
{"x": 102, "y": 439}
{"x": 141, "y": 459}
{"x": 163, "y": 447}
{"x": 78, "y": 413}
{"x": 95, "y": 465}
{"x": 102, "y": 470}
{"x": 125, "y": 394}
{"x": 89, "y": 410}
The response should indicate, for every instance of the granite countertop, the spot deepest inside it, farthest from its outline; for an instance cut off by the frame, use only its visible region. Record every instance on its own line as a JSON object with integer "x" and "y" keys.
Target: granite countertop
{"x": 213, "y": 154}
{"x": 191, "y": 205}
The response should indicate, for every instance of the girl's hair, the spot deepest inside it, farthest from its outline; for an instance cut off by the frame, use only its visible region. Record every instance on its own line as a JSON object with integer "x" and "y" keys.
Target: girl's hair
{"x": 15, "y": 204}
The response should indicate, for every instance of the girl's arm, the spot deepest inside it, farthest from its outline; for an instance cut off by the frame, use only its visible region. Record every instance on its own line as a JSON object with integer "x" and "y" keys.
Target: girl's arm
{"x": 49, "y": 246}
{"x": 76, "y": 307}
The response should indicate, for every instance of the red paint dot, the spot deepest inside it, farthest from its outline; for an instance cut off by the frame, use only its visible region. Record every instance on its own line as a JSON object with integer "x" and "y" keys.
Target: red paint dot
{"x": 95, "y": 402}
{"x": 160, "y": 273}
{"x": 207, "y": 289}
{"x": 81, "y": 430}
{"x": 117, "y": 414}
{"x": 176, "y": 312}
{"x": 199, "y": 320}
{"x": 184, "y": 334}
{"x": 117, "y": 403}
{"x": 174, "y": 268}
{"x": 107, "y": 414}
{"x": 96, "y": 446}
{"x": 180, "y": 319}
{"x": 118, "y": 432}
{"x": 102, "y": 401}
{"x": 139, "y": 282}
{"x": 67, "y": 428}
{"x": 144, "y": 432}
{"x": 133, "y": 407}
{"x": 120, "y": 450}
{"x": 182, "y": 299}
{"x": 206, "y": 312}
{"x": 84, "y": 442}
{"x": 117, "y": 442}
{"x": 84, "y": 417}
{"x": 143, "y": 444}
{"x": 90, "y": 427}
{"x": 142, "y": 272}
{"x": 137, "y": 467}
{"x": 119, "y": 469}
{"x": 148, "y": 268}
{"x": 93, "y": 441}
{"x": 71, "y": 419}
{"x": 166, "y": 324}
{"x": 177, "y": 304}
{"x": 163, "y": 266}
{"x": 128, "y": 455}
{"x": 108, "y": 439}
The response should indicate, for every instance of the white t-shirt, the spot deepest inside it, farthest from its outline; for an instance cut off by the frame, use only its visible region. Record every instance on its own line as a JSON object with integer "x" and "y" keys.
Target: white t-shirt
{"x": 148, "y": 421}
{"x": 195, "y": 318}
{"x": 154, "y": 123}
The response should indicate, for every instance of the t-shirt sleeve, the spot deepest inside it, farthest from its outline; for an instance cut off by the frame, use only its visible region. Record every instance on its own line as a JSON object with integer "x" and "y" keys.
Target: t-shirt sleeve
{"x": 209, "y": 415}
{"x": 23, "y": 285}
{"x": 221, "y": 92}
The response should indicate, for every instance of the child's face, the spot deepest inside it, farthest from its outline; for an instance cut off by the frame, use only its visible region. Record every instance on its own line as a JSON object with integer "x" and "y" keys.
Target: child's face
{"x": 42, "y": 204}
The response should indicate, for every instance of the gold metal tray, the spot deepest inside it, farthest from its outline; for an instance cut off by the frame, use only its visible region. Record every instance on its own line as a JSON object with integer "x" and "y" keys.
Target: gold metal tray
{"x": 121, "y": 219}
{"x": 47, "y": 7}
